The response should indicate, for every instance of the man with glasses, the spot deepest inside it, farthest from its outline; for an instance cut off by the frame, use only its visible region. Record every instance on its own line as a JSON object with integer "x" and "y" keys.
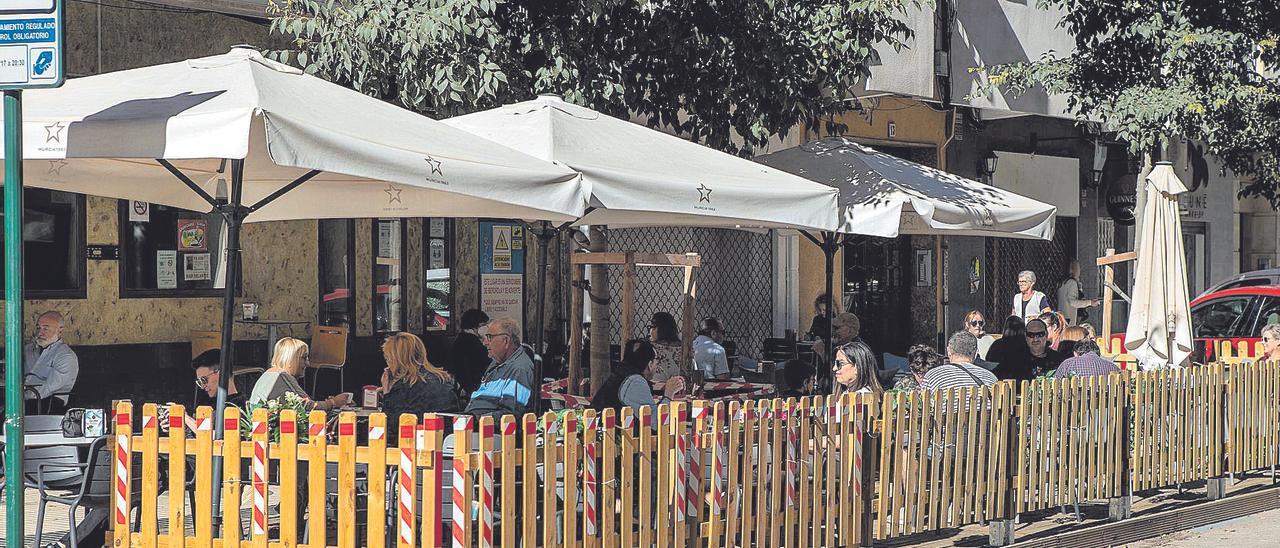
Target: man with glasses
{"x": 1043, "y": 358}
{"x": 508, "y": 383}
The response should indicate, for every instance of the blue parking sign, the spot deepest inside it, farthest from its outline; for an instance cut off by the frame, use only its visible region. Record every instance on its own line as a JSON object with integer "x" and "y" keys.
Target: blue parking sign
{"x": 31, "y": 44}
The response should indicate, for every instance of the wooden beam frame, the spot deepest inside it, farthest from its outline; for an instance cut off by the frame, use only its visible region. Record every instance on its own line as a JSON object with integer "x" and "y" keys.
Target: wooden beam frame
{"x": 628, "y": 260}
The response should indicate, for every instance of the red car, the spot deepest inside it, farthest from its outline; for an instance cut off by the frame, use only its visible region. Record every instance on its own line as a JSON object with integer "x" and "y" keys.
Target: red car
{"x": 1237, "y": 314}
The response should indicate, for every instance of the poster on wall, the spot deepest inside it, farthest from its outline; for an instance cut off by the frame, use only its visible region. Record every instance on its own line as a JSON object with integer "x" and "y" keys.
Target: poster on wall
{"x": 166, "y": 269}
{"x": 435, "y": 227}
{"x": 501, "y": 271}
{"x": 139, "y": 212}
{"x": 195, "y": 266}
{"x": 386, "y": 247}
{"x": 502, "y": 296}
{"x": 193, "y": 235}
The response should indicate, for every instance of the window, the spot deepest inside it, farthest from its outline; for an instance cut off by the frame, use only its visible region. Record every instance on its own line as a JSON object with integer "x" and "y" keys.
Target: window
{"x": 337, "y": 272}
{"x": 388, "y": 275}
{"x": 1268, "y": 313}
{"x": 53, "y": 234}
{"x": 437, "y": 293}
{"x": 1218, "y": 318}
{"x": 168, "y": 252}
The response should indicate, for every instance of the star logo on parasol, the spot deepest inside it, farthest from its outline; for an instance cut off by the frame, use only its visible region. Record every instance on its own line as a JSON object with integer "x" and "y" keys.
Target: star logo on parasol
{"x": 55, "y": 167}
{"x": 435, "y": 166}
{"x": 53, "y": 132}
{"x": 393, "y": 193}
{"x": 704, "y": 193}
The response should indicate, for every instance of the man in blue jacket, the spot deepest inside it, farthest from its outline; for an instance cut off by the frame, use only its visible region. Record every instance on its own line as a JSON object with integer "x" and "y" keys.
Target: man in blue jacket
{"x": 508, "y": 383}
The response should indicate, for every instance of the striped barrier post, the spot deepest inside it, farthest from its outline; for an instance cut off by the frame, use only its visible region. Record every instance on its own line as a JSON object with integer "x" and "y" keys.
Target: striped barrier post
{"x": 549, "y": 486}
{"x": 405, "y": 486}
{"x": 259, "y": 478}
{"x": 376, "y": 467}
{"x": 682, "y": 466}
{"x": 589, "y": 479}
{"x": 694, "y": 496}
{"x": 287, "y": 470}
{"x": 486, "y": 482}
{"x": 124, "y": 433}
{"x": 461, "y": 442}
{"x": 317, "y": 447}
{"x": 792, "y": 446}
{"x": 431, "y": 435}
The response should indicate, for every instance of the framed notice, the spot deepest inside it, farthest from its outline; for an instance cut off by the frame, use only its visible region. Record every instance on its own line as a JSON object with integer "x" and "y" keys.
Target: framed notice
{"x": 195, "y": 266}
{"x": 924, "y": 267}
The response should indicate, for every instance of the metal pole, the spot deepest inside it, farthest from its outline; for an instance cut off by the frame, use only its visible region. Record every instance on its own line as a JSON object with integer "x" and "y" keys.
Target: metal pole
{"x": 13, "y": 326}
{"x": 830, "y": 243}
{"x": 544, "y": 237}
{"x": 233, "y": 215}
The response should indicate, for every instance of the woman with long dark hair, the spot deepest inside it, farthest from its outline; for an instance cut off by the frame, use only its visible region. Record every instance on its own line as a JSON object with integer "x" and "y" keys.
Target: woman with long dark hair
{"x": 855, "y": 370}
{"x": 665, "y": 337}
{"x": 1010, "y": 352}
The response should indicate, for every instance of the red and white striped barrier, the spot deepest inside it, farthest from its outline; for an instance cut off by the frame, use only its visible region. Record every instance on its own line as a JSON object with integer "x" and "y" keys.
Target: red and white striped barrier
{"x": 486, "y": 489}
{"x": 590, "y": 480}
{"x": 694, "y": 486}
{"x": 682, "y": 470}
{"x": 792, "y": 442}
{"x": 461, "y": 429}
{"x": 122, "y": 471}
{"x": 204, "y": 425}
{"x": 316, "y": 430}
{"x": 259, "y": 478}
{"x": 857, "y": 459}
{"x": 719, "y": 473}
{"x": 406, "y": 487}
{"x": 720, "y": 386}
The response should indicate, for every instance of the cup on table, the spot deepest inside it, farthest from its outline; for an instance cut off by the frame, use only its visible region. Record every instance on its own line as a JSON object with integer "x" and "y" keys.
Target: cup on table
{"x": 349, "y": 397}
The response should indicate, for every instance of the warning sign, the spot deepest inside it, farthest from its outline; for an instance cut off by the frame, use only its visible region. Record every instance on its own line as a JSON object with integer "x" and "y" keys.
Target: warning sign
{"x": 502, "y": 247}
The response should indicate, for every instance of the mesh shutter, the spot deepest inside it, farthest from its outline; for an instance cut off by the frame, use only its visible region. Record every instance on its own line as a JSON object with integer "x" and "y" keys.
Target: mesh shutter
{"x": 1049, "y": 260}
{"x": 735, "y": 282}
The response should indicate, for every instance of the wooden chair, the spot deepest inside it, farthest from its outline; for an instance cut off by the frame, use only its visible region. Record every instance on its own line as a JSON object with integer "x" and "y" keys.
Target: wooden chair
{"x": 328, "y": 351}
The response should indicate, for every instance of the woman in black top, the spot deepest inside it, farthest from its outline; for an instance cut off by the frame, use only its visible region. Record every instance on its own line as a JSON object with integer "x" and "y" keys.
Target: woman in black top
{"x": 411, "y": 384}
{"x": 1010, "y": 353}
{"x": 470, "y": 357}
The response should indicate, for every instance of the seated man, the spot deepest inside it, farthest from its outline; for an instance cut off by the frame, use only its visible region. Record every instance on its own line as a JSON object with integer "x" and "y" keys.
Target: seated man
{"x": 508, "y": 383}
{"x": 51, "y": 367}
{"x": 709, "y": 356}
{"x": 208, "y": 369}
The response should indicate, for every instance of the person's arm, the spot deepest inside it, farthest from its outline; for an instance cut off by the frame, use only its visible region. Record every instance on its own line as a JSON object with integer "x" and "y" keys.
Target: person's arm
{"x": 720, "y": 365}
{"x": 1070, "y": 295}
{"x": 634, "y": 392}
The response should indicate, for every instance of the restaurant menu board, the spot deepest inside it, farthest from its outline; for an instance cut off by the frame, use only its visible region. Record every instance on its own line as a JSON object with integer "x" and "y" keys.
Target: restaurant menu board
{"x": 502, "y": 270}
{"x": 166, "y": 269}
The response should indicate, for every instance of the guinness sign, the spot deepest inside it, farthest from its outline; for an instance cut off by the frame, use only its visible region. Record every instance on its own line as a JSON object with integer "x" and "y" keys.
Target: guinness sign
{"x": 1122, "y": 199}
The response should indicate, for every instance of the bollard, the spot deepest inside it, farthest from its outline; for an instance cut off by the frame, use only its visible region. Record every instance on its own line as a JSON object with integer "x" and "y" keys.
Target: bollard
{"x": 1216, "y": 488}
{"x": 1001, "y": 533}
{"x": 1119, "y": 508}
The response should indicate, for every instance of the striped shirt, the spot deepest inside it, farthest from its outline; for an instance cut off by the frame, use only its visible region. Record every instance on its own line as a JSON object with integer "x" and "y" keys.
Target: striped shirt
{"x": 957, "y": 375}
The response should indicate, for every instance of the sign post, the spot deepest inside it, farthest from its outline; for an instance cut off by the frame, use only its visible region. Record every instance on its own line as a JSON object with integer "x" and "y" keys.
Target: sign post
{"x": 31, "y": 40}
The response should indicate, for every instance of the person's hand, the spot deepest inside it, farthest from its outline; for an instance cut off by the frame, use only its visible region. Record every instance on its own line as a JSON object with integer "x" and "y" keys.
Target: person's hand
{"x": 673, "y": 388}
{"x": 386, "y": 380}
{"x": 340, "y": 400}
{"x": 1097, "y": 302}
{"x": 819, "y": 347}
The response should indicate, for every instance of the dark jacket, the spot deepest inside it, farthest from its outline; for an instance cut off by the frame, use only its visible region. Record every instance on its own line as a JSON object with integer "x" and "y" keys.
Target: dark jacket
{"x": 430, "y": 394}
{"x": 470, "y": 359}
{"x": 1012, "y": 359}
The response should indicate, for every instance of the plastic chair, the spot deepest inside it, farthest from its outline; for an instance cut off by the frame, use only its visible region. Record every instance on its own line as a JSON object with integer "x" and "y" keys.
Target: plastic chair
{"x": 328, "y": 351}
{"x": 83, "y": 484}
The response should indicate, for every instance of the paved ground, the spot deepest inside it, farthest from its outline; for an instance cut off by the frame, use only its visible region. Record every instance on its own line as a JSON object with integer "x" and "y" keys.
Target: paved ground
{"x": 1257, "y": 530}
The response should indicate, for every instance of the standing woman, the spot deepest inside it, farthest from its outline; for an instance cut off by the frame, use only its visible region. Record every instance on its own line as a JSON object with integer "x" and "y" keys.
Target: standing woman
{"x": 855, "y": 370}
{"x": 411, "y": 384}
{"x": 1028, "y": 303}
{"x": 288, "y": 364}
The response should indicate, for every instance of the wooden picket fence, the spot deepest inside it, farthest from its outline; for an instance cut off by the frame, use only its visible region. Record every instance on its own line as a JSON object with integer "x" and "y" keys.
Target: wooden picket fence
{"x": 823, "y": 471}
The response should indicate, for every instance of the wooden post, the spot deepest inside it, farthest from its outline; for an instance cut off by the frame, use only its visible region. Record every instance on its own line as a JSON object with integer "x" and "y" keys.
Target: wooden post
{"x": 686, "y": 322}
{"x": 1109, "y": 275}
{"x": 629, "y": 298}
{"x": 575, "y": 329}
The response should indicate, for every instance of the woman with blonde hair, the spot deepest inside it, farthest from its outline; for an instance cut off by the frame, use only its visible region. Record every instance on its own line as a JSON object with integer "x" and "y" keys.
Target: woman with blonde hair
{"x": 288, "y": 363}
{"x": 411, "y": 383}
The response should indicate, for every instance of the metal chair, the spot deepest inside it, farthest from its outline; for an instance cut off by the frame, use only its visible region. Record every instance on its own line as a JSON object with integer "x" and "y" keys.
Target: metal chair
{"x": 328, "y": 351}
{"x": 85, "y": 484}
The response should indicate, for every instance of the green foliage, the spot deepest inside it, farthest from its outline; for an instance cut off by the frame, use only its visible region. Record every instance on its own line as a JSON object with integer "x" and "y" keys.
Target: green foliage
{"x": 711, "y": 70}
{"x": 274, "y": 407}
{"x": 1157, "y": 69}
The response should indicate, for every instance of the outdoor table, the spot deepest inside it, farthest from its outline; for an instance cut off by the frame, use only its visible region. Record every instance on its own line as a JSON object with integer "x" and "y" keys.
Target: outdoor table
{"x": 272, "y": 330}
{"x": 54, "y": 439}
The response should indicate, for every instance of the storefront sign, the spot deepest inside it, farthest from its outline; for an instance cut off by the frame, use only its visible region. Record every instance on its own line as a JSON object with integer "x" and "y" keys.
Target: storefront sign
{"x": 1122, "y": 198}
{"x": 31, "y": 43}
{"x": 195, "y": 266}
{"x": 166, "y": 269}
{"x": 1193, "y": 206}
{"x": 193, "y": 235}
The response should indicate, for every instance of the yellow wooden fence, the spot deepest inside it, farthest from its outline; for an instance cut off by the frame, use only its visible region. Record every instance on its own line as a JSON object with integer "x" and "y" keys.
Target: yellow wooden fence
{"x": 822, "y": 471}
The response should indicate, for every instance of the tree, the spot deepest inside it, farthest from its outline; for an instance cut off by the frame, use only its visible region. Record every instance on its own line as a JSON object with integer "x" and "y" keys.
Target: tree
{"x": 1156, "y": 69}
{"x": 710, "y": 70}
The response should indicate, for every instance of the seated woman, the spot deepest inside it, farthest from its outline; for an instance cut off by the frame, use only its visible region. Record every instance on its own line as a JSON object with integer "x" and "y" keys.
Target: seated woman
{"x": 921, "y": 358}
{"x": 798, "y": 376}
{"x": 411, "y": 384}
{"x": 665, "y": 337}
{"x": 855, "y": 370}
{"x": 288, "y": 364}
{"x": 628, "y": 386}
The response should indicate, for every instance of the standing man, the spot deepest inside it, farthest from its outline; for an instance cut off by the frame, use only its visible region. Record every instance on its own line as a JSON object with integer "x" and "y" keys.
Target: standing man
{"x": 508, "y": 383}
{"x": 51, "y": 367}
